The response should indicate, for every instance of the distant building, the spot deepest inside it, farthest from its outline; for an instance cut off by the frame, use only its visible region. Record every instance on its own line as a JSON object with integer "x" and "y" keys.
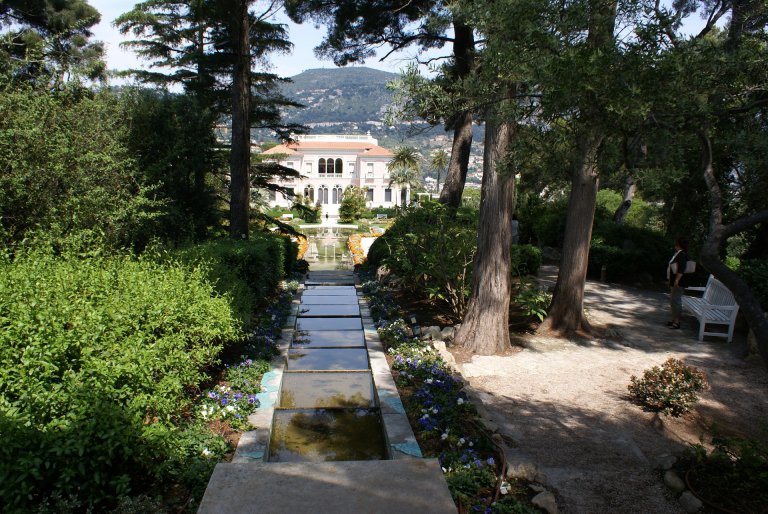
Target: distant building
{"x": 329, "y": 164}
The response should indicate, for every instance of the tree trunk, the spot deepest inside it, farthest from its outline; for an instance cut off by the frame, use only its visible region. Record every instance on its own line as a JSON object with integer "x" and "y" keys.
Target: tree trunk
{"x": 240, "y": 160}
{"x": 485, "y": 328}
{"x": 464, "y": 54}
{"x": 630, "y": 188}
{"x": 710, "y": 251}
{"x": 566, "y": 314}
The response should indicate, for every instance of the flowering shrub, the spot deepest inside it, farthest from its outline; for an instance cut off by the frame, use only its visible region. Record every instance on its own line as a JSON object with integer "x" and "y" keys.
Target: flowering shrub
{"x": 354, "y": 243}
{"x": 303, "y": 243}
{"x": 237, "y": 400}
{"x": 670, "y": 388}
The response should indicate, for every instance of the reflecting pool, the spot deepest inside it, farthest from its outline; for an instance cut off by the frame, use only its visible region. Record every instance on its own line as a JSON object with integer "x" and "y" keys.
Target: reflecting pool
{"x": 328, "y": 248}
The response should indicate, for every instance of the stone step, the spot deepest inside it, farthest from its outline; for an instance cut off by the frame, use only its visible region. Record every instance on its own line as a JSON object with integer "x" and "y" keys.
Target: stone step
{"x": 407, "y": 486}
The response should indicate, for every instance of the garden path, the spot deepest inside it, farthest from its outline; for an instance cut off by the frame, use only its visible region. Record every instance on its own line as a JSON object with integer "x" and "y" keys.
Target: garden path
{"x": 564, "y": 403}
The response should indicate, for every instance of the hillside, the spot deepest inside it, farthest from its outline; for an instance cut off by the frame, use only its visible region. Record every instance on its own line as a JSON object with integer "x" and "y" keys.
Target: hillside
{"x": 354, "y": 94}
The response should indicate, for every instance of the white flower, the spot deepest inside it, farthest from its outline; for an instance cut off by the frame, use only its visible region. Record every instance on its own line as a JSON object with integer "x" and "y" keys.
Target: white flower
{"x": 471, "y": 443}
{"x": 435, "y": 411}
{"x": 444, "y": 436}
{"x": 460, "y": 401}
{"x": 428, "y": 381}
{"x": 206, "y": 452}
{"x": 461, "y": 441}
{"x": 230, "y": 408}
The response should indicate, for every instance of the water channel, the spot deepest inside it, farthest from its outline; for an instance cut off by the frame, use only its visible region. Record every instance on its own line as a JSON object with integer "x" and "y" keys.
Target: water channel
{"x": 327, "y": 407}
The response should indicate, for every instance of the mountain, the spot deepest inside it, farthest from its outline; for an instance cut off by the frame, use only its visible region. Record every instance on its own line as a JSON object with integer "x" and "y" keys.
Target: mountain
{"x": 349, "y": 95}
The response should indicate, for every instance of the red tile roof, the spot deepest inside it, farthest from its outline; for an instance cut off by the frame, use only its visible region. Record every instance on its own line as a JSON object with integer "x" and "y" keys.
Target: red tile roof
{"x": 298, "y": 148}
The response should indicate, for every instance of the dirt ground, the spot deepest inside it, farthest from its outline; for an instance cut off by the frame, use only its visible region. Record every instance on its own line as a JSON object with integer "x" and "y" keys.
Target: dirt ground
{"x": 564, "y": 403}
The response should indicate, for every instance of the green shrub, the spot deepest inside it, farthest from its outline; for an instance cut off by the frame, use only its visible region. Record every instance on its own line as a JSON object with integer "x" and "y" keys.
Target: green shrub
{"x": 431, "y": 253}
{"x": 640, "y": 215}
{"x": 755, "y": 273}
{"x": 733, "y": 475}
{"x": 96, "y": 356}
{"x": 627, "y": 251}
{"x": 66, "y": 168}
{"x": 526, "y": 259}
{"x": 670, "y": 388}
{"x": 352, "y": 204}
{"x": 532, "y": 300}
{"x": 244, "y": 271}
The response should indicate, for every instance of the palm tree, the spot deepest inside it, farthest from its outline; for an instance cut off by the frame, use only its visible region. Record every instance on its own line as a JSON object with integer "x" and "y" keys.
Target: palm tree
{"x": 405, "y": 168}
{"x": 438, "y": 163}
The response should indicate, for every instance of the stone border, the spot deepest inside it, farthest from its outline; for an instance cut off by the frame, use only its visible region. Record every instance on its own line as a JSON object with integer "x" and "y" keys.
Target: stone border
{"x": 397, "y": 429}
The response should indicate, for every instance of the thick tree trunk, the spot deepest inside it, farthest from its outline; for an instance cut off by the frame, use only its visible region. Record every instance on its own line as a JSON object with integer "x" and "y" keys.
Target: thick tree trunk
{"x": 566, "y": 314}
{"x": 240, "y": 159}
{"x": 710, "y": 251}
{"x": 485, "y": 328}
{"x": 464, "y": 54}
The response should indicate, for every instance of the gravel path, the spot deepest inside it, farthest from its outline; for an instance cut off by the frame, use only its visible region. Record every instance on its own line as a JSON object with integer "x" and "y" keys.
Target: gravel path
{"x": 564, "y": 405}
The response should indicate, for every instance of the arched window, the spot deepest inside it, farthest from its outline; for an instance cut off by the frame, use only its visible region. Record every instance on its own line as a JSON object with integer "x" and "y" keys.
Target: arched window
{"x": 309, "y": 192}
{"x": 322, "y": 194}
{"x": 321, "y": 166}
{"x": 329, "y": 166}
{"x": 337, "y": 193}
{"x": 339, "y": 166}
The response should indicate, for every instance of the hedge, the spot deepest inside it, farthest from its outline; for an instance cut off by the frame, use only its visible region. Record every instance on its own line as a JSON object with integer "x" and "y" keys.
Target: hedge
{"x": 244, "y": 271}
{"x": 97, "y": 361}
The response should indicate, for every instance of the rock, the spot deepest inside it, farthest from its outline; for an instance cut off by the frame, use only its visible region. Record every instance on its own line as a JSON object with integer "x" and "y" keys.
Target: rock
{"x": 674, "y": 482}
{"x": 490, "y": 425}
{"x": 690, "y": 503}
{"x": 537, "y": 488}
{"x": 521, "y": 466}
{"x": 665, "y": 462}
{"x": 445, "y": 354}
{"x": 546, "y": 501}
{"x": 433, "y": 332}
{"x": 447, "y": 333}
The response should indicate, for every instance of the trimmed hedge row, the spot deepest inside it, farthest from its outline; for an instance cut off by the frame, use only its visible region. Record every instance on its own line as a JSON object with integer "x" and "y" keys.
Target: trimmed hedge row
{"x": 100, "y": 360}
{"x": 244, "y": 271}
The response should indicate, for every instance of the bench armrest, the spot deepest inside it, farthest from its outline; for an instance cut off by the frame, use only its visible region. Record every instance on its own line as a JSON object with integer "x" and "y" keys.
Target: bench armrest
{"x": 695, "y": 288}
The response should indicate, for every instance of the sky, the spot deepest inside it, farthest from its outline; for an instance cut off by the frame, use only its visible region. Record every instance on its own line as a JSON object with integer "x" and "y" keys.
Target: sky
{"x": 304, "y": 38}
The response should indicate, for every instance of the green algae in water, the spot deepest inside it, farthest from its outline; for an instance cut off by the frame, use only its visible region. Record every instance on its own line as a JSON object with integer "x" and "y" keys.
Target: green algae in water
{"x": 327, "y": 435}
{"x": 326, "y": 389}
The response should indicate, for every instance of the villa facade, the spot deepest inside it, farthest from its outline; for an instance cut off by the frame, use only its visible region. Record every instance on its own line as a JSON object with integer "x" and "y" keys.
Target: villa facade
{"x": 329, "y": 163}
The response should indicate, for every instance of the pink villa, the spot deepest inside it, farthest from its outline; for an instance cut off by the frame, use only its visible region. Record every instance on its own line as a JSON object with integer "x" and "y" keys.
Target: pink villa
{"x": 331, "y": 162}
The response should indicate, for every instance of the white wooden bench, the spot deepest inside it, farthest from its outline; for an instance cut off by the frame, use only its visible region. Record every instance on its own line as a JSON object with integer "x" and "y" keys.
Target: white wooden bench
{"x": 717, "y": 306}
